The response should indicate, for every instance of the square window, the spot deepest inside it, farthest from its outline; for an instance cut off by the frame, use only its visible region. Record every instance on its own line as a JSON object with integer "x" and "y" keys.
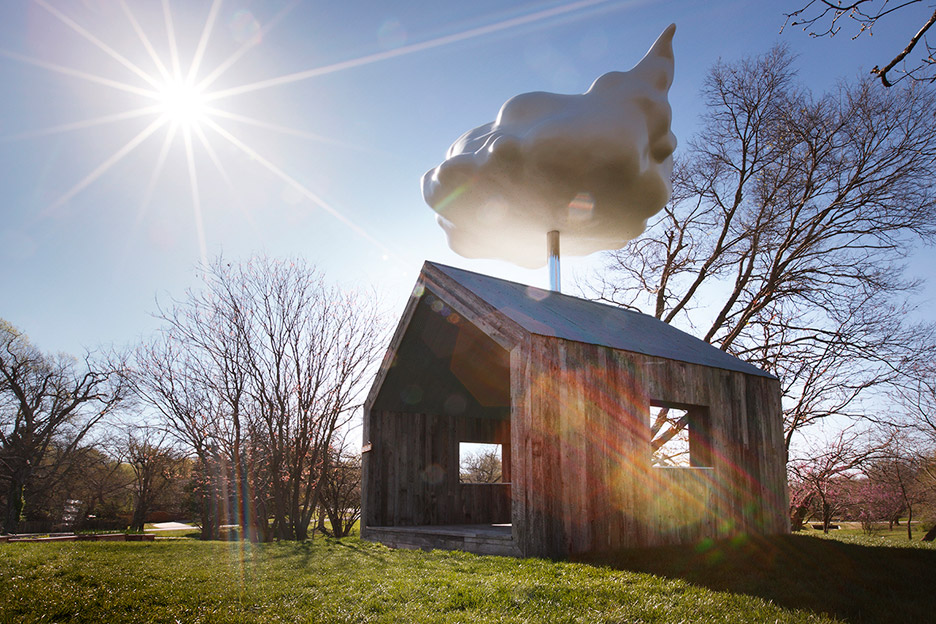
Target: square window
{"x": 679, "y": 435}
{"x": 669, "y": 436}
{"x": 480, "y": 463}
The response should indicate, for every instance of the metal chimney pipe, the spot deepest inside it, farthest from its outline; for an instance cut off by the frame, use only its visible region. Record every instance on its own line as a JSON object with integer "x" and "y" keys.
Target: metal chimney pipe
{"x": 552, "y": 255}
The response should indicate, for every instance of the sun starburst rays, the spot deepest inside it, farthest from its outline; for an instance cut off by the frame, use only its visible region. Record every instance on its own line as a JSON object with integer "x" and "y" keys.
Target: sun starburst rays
{"x": 196, "y": 197}
{"x": 176, "y": 94}
{"x": 144, "y": 39}
{"x": 249, "y": 43}
{"x": 102, "y": 168}
{"x": 178, "y": 97}
{"x": 98, "y": 43}
{"x": 420, "y": 46}
{"x": 84, "y": 123}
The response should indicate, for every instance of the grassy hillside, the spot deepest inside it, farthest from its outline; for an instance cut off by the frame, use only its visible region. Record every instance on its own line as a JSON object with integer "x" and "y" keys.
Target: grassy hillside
{"x": 791, "y": 579}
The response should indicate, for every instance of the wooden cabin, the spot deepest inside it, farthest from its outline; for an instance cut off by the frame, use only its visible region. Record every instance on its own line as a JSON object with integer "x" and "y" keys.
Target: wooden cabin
{"x": 614, "y": 429}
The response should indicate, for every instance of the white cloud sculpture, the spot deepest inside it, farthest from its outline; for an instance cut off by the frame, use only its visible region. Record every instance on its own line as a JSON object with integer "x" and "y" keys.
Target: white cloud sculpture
{"x": 593, "y": 166}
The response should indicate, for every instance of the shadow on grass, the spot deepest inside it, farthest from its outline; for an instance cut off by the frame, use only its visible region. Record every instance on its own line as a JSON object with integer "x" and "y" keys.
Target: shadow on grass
{"x": 304, "y": 551}
{"x": 852, "y": 582}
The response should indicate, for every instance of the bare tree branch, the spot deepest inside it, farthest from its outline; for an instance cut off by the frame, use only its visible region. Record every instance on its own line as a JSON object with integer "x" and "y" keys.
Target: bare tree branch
{"x": 820, "y": 18}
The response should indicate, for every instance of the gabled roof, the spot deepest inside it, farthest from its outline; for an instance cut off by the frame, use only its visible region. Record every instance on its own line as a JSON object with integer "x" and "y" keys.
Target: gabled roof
{"x": 547, "y": 313}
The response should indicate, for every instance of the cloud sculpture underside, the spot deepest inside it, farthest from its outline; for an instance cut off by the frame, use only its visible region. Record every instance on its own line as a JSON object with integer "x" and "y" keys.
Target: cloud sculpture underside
{"x": 593, "y": 166}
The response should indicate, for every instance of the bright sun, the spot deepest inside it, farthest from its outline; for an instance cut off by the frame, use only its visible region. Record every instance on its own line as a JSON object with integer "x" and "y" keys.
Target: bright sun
{"x": 182, "y": 103}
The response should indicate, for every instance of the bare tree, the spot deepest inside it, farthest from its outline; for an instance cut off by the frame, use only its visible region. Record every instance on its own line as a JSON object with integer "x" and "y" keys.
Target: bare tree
{"x": 916, "y": 397}
{"x": 784, "y": 241}
{"x": 177, "y": 384}
{"x": 101, "y": 481}
{"x": 156, "y": 468}
{"x": 669, "y": 437}
{"x": 928, "y": 481}
{"x": 899, "y": 469}
{"x": 822, "y": 18}
{"x": 46, "y": 403}
{"x": 311, "y": 350}
{"x": 277, "y": 360}
{"x": 821, "y": 478}
{"x": 196, "y": 372}
{"x": 340, "y": 499}
{"x": 483, "y": 466}
{"x": 915, "y": 402}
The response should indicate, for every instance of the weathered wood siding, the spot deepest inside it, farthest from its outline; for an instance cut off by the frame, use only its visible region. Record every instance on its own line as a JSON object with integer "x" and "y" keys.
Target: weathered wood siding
{"x": 411, "y": 471}
{"x": 582, "y": 473}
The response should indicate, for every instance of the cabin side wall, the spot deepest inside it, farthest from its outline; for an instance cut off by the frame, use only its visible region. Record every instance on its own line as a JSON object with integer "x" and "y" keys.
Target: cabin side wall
{"x": 746, "y": 488}
{"x": 581, "y": 451}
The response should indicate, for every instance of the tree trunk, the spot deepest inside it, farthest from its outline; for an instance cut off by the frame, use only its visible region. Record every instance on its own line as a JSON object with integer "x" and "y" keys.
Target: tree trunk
{"x": 300, "y": 529}
{"x": 281, "y": 528}
{"x": 210, "y": 508}
{"x": 909, "y": 520}
{"x": 308, "y": 510}
{"x": 337, "y": 522}
{"x": 139, "y": 514}
{"x": 14, "y": 502}
{"x": 207, "y": 531}
{"x": 798, "y": 517}
{"x": 261, "y": 521}
{"x": 320, "y": 521}
{"x": 930, "y": 535}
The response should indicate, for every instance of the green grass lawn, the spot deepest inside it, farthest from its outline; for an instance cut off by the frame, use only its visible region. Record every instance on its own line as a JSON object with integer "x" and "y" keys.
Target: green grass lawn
{"x": 788, "y": 579}
{"x": 880, "y": 532}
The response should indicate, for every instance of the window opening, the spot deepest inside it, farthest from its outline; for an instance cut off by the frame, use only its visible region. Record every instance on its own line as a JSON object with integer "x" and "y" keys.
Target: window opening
{"x": 480, "y": 463}
{"x": 680, "y": 436}
{"x": 669, "y": 436}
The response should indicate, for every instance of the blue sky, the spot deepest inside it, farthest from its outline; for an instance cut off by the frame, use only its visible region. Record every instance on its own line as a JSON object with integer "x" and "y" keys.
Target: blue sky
{"x": 346, "y": 105}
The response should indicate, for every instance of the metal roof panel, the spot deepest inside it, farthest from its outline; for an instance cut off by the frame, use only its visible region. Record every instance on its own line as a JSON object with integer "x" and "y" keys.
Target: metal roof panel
{"x": 548, "y": 313}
